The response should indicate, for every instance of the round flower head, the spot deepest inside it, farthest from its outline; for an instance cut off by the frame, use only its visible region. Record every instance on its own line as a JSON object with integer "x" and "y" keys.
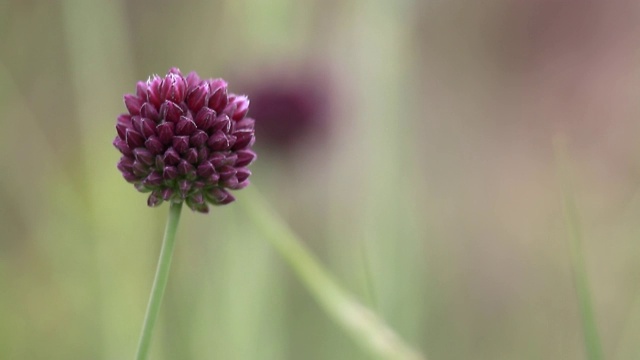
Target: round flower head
{"x": 292, "y": 111}
{"x": 185, "y": 139}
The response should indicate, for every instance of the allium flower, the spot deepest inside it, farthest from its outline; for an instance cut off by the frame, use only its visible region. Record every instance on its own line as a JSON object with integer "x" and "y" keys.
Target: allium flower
{"x": 185, "y": 139}
{"x": 291, "y": 111}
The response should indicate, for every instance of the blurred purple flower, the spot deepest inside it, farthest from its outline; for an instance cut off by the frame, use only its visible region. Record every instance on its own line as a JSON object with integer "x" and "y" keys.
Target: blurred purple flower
{"x": 290, "y": 111}
{"x": 185, "y": 139}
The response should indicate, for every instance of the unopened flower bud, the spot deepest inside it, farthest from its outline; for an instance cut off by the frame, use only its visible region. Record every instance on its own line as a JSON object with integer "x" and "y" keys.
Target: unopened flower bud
{"x": 185, "y": 140}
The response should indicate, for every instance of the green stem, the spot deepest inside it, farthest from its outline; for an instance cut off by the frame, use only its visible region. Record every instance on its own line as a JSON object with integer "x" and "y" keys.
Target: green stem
{"x": 592, "y": 342}
{"x": 361, "y": 323}
{"x": 160, "y": 281}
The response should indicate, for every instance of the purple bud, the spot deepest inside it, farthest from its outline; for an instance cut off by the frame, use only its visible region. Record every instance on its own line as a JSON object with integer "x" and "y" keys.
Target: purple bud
{"x": 218, "y": 141}
{"x": 140, "y": 169}
{"x": 133, "y": 138}
{"x": 228, "y": 199}
{"x": 144, "y": 156}
{"x": 170, "y": 111}
{"x": 203, "y": 154}
{"x": 213, "y": 179}
{"x": 204, "y": 118}
{"x": 141, "y": 90}
{"x": 153, "y": 180}
{"x": 149, "y": 111}
{"x": 245, "y": 157}
{"x": 174, "y": 70}
{"x": 165, "y": 132}
{"x": 219, "y": 196}
{"x": 133, "y": 104}
{"x": 122, "y": 130}
{"x": 191, "y": 156}
{"x": 167, "y": 193}
{"x": 199, "y": 138}
{"x": 165, "y": 86}
{"x": 246, "y": 123}
{"x": 123, "y": 123}
{"x": 217, "y": 159}
{"x": 241, "y": 185}
{"x": 169, "y": 173}
{"x": 219, "y": 98}
{"x": 136, "y": 121}
{"x": 148, "y": 127}
{"x": 155, "y": 199}
{"x": 243, "y": 174}
{"x": 154, "y": 145}
{"x": 130, "y": 177}
{"x": 205, "y": 170}
{"x": 153, "y": 91}
{"x": 230, "y": 159}
{"x": 124, "y": 119}
{"x": 125, "y": 164}
{"x": 197, "y": 198}
{"x": 185, "y": 168}
{"x": 244, "y": 137}
{"x": 193, "y": 80}
{"x": 242, "y": 107}
{"x": 222, "y": 123}
{"x": 198, "y": 96}
{"x": 221, "y": 159}
{"x": 232, "y": 141}
{"x": 185, "y": 126}
{"x": 176, "y": 86}
{"x": 181, "y": 144}
{"x": 196, "y": 202}
{"x": 171, "y": 157}
{"x": 230, "y": 109}
{"x": 230, "y": 183}
{"x": 121, "y": 145}
{"x": 226, "y": 172}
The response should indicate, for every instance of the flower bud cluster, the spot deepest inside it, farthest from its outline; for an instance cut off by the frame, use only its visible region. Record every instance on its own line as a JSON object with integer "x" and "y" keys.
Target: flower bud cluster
{"x": 185, "y": 139}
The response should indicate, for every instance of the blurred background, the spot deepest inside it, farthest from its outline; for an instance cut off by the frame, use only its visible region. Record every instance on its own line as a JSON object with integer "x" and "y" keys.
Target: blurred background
{"x": 409, "y": 143}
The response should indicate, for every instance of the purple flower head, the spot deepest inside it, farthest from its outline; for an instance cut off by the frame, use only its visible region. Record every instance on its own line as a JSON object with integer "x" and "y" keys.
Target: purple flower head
{"x": 292, "y": 110}
{"x": 185, "y": 139}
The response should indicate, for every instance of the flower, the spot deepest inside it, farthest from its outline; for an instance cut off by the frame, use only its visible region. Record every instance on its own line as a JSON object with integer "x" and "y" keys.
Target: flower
{"x": 185, "y": 139}
{"x": 292, "y": 111}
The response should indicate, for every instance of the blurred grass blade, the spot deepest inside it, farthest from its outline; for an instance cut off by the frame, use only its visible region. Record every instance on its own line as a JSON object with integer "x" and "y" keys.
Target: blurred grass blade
{"x": 362, "y": 324}
{"x": 368, "y": 276}
{"x": 592, "y": 340}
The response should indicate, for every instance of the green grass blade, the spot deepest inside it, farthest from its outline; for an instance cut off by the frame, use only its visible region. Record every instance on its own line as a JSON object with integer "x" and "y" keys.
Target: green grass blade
{"x": 592, "y": 340}
{"x": 361, "y": 323}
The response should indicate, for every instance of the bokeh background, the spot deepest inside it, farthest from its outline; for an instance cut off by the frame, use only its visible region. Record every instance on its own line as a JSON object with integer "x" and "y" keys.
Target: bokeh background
{"x": 409, "y": 143}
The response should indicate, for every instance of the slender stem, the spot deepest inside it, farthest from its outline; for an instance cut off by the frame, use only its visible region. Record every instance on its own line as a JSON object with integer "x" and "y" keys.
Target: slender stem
{"x": 592, "y": 341}
{"x": 160, "y": 281}
{"x": 361, "y": 323}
